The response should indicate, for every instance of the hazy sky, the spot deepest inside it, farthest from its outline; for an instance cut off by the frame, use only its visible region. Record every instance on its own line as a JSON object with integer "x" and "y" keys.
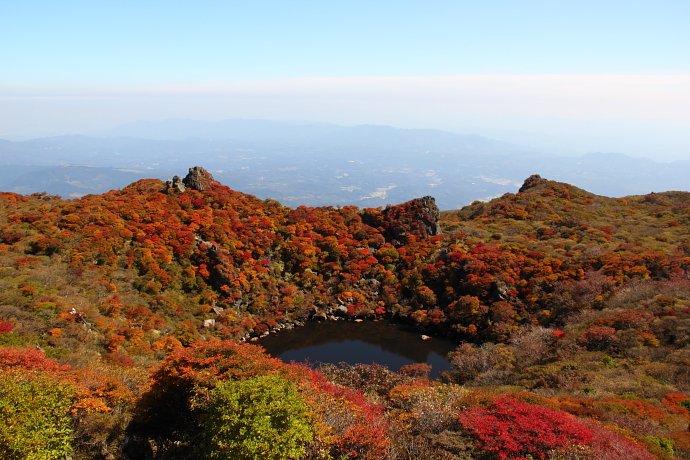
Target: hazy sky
{"x": 565, "y": 76}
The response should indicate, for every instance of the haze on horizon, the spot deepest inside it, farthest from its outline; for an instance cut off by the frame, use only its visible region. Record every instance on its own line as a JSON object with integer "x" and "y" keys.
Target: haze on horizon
{"x": 560, "y": 77}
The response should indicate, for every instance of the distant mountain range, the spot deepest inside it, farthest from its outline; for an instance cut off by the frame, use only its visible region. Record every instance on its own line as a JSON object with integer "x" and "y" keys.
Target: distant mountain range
{"x": 311, "y": 134}
{"x": 317, "y": 164}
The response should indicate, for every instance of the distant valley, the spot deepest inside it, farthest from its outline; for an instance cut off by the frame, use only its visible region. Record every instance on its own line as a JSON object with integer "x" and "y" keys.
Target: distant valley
{"x": 317, "y": 164}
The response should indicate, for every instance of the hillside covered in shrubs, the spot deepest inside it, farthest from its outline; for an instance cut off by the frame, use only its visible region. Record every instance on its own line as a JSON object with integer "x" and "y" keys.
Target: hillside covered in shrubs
{"x": 129, "y": 312}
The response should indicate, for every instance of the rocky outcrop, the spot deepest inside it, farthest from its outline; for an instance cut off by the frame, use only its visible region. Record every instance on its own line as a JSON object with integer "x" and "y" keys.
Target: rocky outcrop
{"x": 198, "y": 179}
{"x": 175, "y": 184}
{"x": 531, "y": 182}
{"x": 418, "y": 217}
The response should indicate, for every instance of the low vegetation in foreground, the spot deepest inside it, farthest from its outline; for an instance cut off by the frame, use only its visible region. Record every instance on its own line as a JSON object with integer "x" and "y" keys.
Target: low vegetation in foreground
{"x": 128, "y": 313}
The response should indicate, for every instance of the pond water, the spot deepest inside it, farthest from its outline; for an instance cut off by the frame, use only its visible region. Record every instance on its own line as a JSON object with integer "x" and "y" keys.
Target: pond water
{"x": 381, "y": 342}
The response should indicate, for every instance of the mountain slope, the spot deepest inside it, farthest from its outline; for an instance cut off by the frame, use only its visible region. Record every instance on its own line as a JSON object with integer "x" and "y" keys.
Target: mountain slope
{"x": 579, "y": 299}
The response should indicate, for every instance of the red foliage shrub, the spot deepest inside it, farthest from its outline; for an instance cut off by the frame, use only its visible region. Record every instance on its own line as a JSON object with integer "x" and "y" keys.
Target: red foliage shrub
{"x": 45, "y": 246}
{"x": 641, "y": 409}
{"x": 11, "y": 237}
{"x": 369, "y": 378}
{"x": 27, "y": 261}
{"x": 27, "y": 291}
{"x": 28, "y": 358}
{"x": 416, "y": 370}
{"x": 514, "y": 429}
{"x": 360, "y": 425}
{"x": 544, "y": 233}
{"x": 260, "y": 328}
{"x": 5, "y": 327}
{"x": 201, "y": 363}
{"x": 681, "y": 443}
{"x": 628, "y": 319}
{"x": 607, "y": 445}
{"x": 580, "y": 407}
{"x": 673, "y": 402}
{"x": 597, "y": 338}
{"x": 118, "y": 359}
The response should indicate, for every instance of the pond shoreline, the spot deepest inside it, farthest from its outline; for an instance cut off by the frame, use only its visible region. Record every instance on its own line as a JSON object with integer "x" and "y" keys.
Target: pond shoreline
{"x": 383, "y": 341}
{"x": 321, "y": 316}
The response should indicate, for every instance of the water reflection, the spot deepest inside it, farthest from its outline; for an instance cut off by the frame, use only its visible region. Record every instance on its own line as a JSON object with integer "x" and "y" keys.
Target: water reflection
{"x": 381, "y": 342}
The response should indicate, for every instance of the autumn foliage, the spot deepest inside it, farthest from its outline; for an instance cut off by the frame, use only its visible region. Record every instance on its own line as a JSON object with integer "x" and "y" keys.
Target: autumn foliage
{"x": 514, "y": 429}
{"x": 138, "y": 299}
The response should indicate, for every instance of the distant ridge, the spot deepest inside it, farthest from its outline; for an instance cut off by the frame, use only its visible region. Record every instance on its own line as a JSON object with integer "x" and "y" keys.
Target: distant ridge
{"x": 306, "y": 133}
{"x": 315, "y": 164}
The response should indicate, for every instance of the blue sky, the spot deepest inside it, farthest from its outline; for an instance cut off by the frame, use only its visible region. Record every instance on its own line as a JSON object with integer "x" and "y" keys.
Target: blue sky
{"x": 96, "y": 64}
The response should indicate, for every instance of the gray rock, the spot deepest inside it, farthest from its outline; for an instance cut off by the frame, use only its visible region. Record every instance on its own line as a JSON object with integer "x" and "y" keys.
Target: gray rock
{"x": 198, "y": 179}
{"x": 175, "y": 185}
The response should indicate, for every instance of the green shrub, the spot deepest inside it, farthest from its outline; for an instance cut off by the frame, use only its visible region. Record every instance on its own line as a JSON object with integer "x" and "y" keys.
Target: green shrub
{"x": 665, "y": 444}
{"x": 685, "y": 403}
{"x": 12, "y": 339}
{"x": 259, "y": 418}
{"x": 34, "y": 417}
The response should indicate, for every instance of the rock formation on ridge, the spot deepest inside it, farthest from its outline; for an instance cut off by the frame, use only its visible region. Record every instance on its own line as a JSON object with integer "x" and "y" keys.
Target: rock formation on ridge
{"x": 198, "y": 179}
{"x": 532, "y": 181}
{"x": 175, "y": 183}
{"x": 418, "y": 217}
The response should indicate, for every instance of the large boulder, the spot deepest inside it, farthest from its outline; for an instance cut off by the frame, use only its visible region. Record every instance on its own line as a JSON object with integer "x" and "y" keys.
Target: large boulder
{"x": 198, "y": 179}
